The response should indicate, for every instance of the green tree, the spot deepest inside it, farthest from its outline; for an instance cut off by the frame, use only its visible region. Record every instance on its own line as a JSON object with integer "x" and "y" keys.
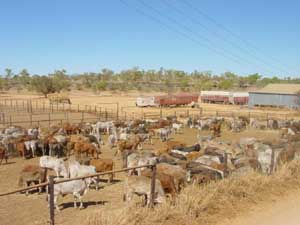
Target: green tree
{"x": 253, "y": 78}
{"x": 184, "y": 84}
{"x": 60, "y": 80}
{"x": 43, "y": 84}
{"x": 101, "y": 85}
{"x": 226, "y": 84}
{"x": 24, "y": 78}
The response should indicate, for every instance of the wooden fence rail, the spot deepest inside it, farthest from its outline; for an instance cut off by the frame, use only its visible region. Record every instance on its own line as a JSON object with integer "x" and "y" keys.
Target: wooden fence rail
{"x": 51, "y": 182}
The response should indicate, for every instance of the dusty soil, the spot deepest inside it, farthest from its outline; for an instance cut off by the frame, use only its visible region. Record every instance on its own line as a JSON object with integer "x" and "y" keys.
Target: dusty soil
{"x": 279, "y": 211}
{"x": 22, "y": 210}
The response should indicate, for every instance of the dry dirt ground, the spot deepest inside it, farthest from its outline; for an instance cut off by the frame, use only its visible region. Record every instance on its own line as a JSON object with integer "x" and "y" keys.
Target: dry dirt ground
{"x": 284, "y": 210}
{"x": 24, "y": 210}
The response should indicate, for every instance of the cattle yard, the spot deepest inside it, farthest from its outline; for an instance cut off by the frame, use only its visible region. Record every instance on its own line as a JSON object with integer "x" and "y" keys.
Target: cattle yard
{"x": 264, "y": 143}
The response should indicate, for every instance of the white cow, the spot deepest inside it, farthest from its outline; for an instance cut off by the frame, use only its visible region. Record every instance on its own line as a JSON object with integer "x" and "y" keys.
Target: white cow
{"x": 77, "y": 170}
{"x": 103, "y": 126}
{"x": 124, "y": 136}
{"x": 164, "y": 133}
{"x": 77, "y": 188}
{"x": 140, "y": 186}
{"x": 176, "y": 127}
{"x": 32, "y": 146}
{"x": 145, "y": 160}
{"x": 55, "y": 164}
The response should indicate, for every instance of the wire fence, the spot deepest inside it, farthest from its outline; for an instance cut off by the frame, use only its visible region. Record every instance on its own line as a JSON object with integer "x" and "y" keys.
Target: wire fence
{"x": 51, "y": 182}
{"x": 40, "y": 113}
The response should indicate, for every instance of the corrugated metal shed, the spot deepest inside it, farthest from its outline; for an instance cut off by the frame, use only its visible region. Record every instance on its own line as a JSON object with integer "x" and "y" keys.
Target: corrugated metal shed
{"x": 278, "y": 95}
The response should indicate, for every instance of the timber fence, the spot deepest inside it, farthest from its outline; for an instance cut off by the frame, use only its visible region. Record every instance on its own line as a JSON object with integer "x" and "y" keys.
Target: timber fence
{"x": 38, "y": 112}
{"x": 51, "y": 182}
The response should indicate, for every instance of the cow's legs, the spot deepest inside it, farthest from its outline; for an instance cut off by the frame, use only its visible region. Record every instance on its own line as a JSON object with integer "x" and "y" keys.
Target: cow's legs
{"x": 111, "y": 178}
{"x": 75, "y": 200}
{"x": 55, "y": 202}
{"x": 50, "y": 150}
{"x": 33, "y": 151}
{"x": 78, "y": 197}
{"x": 40, "y": 188}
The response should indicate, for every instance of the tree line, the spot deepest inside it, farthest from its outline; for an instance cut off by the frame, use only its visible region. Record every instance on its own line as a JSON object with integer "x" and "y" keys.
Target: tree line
{"x": 166, "y": 80}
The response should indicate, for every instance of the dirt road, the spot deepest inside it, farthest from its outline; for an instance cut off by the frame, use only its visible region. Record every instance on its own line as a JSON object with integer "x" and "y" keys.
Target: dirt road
{"x": 281, "y": 211}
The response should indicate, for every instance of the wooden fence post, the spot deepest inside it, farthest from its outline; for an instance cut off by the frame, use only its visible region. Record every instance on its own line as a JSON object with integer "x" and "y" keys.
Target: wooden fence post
{"x": 10, "y": 121}
{"x": 49, "y": 119}
{"x": 117, "y": 110}
{"x": 51, "y": 199}
{"x": 153, "y": 179}
{"x": 106, "y": 115}
{"x": 30, "y": 116}
{"x": 160, "y": 112}
{"x": 272, "y": 162}
{"x": 82, "y": 116}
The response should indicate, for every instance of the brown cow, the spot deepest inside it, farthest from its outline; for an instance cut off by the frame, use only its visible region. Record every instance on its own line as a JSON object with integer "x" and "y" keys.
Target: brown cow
{"x": 215, "y": 129}
{"x": 179, "y": 175}
{"x": 103, "y": 165}
{"x": 21, "y": 149}
{"x": 167, "y": 182}
{"x": 131, "y": 144}
{"x": 71, "y": 128}
{"x": 31, "y": 174}
{"x": 86, "y": 147}
{"x": 3, "y": 155}
{"x": 168, "y": 146}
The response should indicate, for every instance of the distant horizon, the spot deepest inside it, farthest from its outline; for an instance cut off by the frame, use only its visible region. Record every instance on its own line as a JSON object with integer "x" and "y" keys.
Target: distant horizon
{"x": 2, "y": 73}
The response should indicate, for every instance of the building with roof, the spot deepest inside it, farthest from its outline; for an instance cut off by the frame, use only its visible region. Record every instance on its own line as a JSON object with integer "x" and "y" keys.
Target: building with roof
{"x": 276, "y": 95}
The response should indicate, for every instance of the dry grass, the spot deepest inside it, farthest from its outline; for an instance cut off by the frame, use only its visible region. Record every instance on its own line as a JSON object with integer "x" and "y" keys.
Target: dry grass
{"x": 208, "y": 204}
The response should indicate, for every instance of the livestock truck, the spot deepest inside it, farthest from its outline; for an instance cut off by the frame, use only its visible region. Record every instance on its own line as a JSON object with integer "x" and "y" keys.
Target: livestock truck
{"x": 225, "y": 97}
{"x": 168, "y": 100}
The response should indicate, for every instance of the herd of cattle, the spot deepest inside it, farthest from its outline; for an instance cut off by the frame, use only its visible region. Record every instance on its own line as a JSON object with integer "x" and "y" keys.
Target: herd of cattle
{"x": 73, "y": 150}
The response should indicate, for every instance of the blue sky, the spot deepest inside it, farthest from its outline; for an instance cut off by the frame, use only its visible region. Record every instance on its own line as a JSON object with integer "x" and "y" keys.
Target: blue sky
{"x": 89, "y": 35}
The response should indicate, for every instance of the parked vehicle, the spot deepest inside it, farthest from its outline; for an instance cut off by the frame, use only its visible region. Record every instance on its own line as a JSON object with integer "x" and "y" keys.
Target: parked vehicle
{"x": 168, "y": 100}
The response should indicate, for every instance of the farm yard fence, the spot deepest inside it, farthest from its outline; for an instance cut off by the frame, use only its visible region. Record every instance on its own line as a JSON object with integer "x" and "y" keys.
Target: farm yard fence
{"x": 42, "y": 106}
{"x": 28, "y": 113}
{"x": 51, "y": 182}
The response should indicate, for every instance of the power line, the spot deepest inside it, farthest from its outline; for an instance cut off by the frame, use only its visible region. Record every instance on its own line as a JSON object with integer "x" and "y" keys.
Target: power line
{"x": 235, "y": 35}
{"x": 170, "y": 28}
{"x": 198, "y": 35}
{"x": 220, "y": 37}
